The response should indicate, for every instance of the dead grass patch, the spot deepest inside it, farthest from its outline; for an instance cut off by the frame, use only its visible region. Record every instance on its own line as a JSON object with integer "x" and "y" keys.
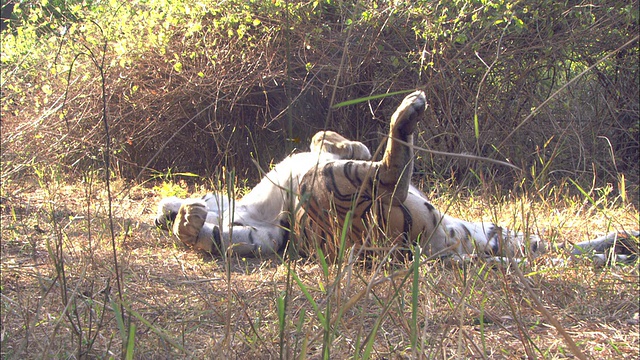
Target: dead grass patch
{"x": 187, "y": 304}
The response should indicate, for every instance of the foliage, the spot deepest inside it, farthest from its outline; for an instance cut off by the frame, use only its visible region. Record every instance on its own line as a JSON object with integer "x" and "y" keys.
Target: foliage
{"x": 199, "y": 85}
{"x": 168, "y": 189}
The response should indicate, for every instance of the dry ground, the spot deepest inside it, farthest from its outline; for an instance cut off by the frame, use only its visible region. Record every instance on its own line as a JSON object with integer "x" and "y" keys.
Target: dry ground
{"x": 60, "y": 296}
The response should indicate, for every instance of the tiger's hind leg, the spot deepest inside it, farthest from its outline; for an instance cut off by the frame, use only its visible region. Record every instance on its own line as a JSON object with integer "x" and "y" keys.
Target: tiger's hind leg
{"x": 372, "y": 192}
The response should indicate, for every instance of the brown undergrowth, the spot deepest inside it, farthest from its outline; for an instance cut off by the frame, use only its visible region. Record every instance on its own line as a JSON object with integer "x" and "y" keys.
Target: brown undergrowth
{"x": 59, "y": 295}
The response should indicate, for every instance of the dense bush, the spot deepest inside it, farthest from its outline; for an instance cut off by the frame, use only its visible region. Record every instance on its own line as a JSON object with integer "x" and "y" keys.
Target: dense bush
{"x": 197, "y": 85}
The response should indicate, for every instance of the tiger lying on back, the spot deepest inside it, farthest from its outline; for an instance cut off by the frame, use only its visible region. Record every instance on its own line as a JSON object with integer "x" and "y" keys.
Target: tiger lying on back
{"x": 336, "y": 176}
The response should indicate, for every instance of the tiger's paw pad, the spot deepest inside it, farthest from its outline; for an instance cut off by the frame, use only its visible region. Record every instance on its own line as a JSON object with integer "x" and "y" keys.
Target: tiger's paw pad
{"x": 409, "y": 111}
{"x": 189, "y": 221}
{"x": 414, "y": 102}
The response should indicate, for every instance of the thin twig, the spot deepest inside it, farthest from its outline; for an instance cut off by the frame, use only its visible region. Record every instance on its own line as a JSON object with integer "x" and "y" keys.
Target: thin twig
{"x": 537, "y": 108}
{"x": 460, "y": 156}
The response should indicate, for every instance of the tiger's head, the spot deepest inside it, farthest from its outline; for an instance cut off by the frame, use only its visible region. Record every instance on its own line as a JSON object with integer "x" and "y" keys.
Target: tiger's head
{"x": 334, "y": 143}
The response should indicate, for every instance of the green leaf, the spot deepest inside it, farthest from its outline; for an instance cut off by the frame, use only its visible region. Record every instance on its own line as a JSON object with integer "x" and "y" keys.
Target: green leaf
{"x": 519, "y": 23}
{"x": 476, "y": 126}
{"x": 119, "y": 319}
{"x": 310, "y": 299}
{"x": 131, "y": 341}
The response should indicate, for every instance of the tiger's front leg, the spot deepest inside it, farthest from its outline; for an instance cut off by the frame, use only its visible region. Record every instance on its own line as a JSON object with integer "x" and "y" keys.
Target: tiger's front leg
{"x": 396, "y": 166}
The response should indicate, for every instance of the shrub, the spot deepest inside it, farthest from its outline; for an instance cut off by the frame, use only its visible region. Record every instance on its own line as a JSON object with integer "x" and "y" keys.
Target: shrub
{"x": 199, "y": 85}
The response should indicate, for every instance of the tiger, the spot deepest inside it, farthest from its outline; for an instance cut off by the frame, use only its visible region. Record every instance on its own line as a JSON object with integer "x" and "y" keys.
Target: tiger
{"x": 381, "y": 203}
{"x": 337, "y": 179}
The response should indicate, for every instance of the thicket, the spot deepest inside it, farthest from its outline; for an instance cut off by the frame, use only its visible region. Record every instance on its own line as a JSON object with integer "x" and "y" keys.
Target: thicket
{"x": 550, "y": 86}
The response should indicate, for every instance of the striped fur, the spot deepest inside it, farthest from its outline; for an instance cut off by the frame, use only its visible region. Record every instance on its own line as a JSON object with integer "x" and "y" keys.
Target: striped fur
{"x": 385, "y": 209}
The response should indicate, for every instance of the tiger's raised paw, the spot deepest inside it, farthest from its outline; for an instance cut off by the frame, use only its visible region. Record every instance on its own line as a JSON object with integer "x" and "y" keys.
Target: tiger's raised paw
{"x": 408, "y": 113}
{"x": 189, "y": 221}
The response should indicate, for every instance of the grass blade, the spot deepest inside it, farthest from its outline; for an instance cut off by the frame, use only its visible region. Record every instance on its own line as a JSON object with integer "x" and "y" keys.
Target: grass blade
{"x": 313, "y": 303}
{"x": 367, "y": 98}
{"x": 131, "y": 341}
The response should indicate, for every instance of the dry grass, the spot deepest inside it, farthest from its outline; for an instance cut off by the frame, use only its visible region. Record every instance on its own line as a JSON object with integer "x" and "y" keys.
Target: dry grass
{"x": 188, "y": 305}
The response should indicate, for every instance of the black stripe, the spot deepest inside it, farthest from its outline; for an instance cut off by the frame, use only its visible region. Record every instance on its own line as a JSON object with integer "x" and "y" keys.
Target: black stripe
{"x": 429, "y": 206}
{"x": 216, "y": 241}
{"x": 408, "y": 220}
{"x": 331, "y": 185}
{"x": 494, "y": 240}
{"x": 357, "y": 175}
{"x": 251, "y": 240}
{"x": 347, "y": 170}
